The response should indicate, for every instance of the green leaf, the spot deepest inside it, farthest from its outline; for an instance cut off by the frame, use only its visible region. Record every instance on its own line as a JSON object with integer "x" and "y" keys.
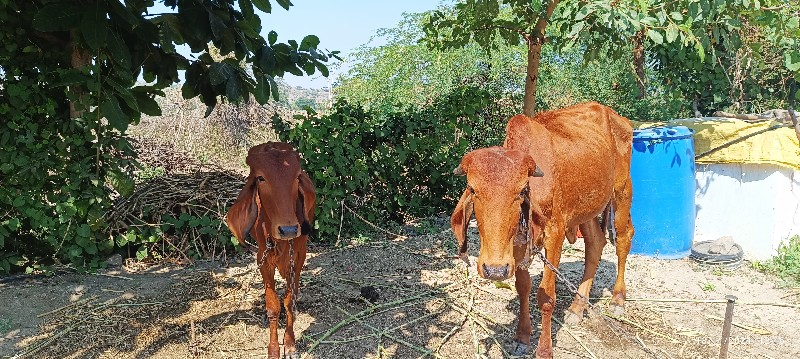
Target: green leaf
{"x": 113, "y": 113}
{"x": 233, "y": 89}
{"x": 218, "y": 27}
{"x": 285, "y": 4}
{"x": 58, "y": 17}
{"x": 147, "y": 105}
{"x": 274, "y": 88}
{"x": 247, "y": 9}
{"x": 263, "y": 5}
{"x": 120, "y": 182}
{"x": 655, "y": 36}
{"x": 272, "y": 37}
{"x": 120, "y": 11}
{"x": 676, "y": 16}
{"x": 698, "y": 46}
{"x": 84, "y": 230}
{"x": 118, "y": 49}
{"x": 262, "y": 89}
{"x": 94, "y": 26}
{"x": 792, "y": 60}
{"x": 219, "y": 73}
{"x": 266, "y": 59}
{"x": 322, "y": 68}
{"x": 672, "y": 33}
{"x": 308, "y": 42}
{"x": 643, "y": 6}
{"x": 503, "y": 285}
{"x": 141, "y": 253}
{"x": 793, "y": 23}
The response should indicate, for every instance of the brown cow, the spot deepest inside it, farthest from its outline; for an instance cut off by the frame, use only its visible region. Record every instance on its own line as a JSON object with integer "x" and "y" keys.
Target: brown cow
{"x": 584, "y": 153}
{"x": 277, "y": 206}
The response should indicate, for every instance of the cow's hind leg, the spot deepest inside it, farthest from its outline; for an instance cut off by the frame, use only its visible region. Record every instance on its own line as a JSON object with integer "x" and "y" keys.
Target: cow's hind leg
{"x": 271, "y": 303}
{"x": 595, "y": 241}
{"x": 292, "y": 292}
{"x": 624, "y": 228}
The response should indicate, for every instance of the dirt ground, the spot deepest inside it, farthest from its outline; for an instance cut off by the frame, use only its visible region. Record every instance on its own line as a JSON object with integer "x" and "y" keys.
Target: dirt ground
{"x": 426, "y": 306}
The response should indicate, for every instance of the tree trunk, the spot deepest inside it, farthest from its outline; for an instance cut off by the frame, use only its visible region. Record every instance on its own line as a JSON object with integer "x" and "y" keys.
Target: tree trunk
{"x": 535, "y": 41}
{"x": 638, "y": 62}
{"x": 80, "y": 59}
{"x": 532, "y": 78}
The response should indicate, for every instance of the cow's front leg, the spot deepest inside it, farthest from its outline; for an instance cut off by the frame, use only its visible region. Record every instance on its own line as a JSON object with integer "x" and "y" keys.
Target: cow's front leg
{"x": 522, "y": 338}
{"x": 271, "y": 303}
{"x": 292, "y": 293}
{"x": 546, "y": 295}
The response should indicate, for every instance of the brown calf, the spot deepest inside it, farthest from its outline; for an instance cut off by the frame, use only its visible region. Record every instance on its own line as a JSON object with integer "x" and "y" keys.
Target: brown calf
{"x": 584, "y": 153}
{"x": 277, "y": 206}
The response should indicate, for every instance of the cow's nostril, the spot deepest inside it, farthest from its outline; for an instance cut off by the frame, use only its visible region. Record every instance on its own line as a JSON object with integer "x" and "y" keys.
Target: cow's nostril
{"x": 287, "y": 230}
{"x": 496, "y": 272}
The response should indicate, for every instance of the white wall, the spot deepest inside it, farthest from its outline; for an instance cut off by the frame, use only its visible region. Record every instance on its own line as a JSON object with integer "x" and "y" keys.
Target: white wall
{"x": 757, "y": 204}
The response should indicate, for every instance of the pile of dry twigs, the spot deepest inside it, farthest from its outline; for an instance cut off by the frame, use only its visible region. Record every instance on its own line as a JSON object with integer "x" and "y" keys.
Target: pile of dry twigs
{"x": 178, "y": 214}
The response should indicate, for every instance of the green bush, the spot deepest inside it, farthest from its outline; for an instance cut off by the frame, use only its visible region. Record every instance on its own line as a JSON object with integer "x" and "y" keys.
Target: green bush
{"x": 386, "y": 166}
{"x": 786, "y": 264}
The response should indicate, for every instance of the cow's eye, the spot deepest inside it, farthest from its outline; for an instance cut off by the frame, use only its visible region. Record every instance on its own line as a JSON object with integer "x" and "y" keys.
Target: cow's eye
{"x": 260, "y": 179}
{"x": 471, "y": 190}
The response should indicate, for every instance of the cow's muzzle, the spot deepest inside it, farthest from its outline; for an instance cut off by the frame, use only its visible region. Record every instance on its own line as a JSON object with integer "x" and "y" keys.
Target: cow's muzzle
{"x": 288, "y": 232}
{"x": 494, "y": 272}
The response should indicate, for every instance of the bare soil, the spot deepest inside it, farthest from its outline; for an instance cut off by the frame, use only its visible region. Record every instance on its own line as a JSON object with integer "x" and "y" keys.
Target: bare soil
{"x": 426, "y": 305}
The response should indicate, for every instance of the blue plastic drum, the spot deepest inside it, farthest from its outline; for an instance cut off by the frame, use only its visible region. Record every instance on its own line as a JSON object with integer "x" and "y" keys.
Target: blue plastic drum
{"x": 663, "y": 208}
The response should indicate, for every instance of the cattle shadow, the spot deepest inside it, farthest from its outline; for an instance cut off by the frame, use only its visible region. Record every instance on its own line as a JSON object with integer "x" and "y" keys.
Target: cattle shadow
{"x": 571, "y": 267}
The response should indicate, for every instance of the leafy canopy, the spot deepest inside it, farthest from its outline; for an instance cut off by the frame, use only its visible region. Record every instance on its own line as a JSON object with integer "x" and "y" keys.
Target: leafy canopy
{"x": 69, "y": 91}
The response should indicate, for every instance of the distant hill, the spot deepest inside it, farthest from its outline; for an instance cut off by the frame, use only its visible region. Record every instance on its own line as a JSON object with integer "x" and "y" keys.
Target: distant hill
{"x": 296, "y": 97}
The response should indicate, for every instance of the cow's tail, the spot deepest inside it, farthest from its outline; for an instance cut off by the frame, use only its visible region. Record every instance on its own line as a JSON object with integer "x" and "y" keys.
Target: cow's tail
{"x": 607, "y": 222}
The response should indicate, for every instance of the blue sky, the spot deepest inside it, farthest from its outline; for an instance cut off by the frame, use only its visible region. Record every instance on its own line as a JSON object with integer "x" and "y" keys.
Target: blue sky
{"x": 340, "y": 25}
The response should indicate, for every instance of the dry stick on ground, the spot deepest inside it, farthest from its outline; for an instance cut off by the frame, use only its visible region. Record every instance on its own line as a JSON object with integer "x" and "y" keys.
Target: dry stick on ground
{"x": 75, "y": 304}
{"x": 383, "y": 333}
{"x": 706, "y": 301}
{"x": 390, "y": 330}
{"x": 637, "y": 325}
{"x": 364, "y": 313}
{"x": 755, "y": 330}
{"x": 577, "y": 339}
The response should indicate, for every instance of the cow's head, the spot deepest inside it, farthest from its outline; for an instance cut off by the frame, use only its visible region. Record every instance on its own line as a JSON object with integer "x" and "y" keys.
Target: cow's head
{"x": 497, "y": 192}
{"x": 277, "y": 190}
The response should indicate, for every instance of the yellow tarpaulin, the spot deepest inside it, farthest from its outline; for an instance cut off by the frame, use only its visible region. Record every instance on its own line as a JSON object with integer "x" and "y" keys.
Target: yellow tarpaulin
{"x": 778, "y": 147}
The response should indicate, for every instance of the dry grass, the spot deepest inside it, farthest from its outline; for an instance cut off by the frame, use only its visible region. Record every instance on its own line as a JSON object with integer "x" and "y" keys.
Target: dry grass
{"x": 223, "y": 137}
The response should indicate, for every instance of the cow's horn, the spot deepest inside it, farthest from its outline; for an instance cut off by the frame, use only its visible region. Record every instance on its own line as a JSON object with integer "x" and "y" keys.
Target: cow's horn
{"x": 538, "y": 172}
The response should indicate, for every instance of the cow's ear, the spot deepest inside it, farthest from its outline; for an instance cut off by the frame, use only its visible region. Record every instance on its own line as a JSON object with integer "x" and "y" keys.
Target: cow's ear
{"x": 459, "y": 221}
{"x": 306, "y": 203}
{"x": 244, "y": 211}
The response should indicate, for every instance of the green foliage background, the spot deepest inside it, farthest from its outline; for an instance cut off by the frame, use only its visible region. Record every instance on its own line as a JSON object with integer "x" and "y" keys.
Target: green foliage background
{"x": 406, "y": 111}
{"x": 388, "y": 166}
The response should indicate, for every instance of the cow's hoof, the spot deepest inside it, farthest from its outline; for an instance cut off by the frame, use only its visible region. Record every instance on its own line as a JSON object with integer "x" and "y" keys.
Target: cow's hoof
{"x": 292, "y": 355}
{"x": 616, "y": 310}
{"x": 520, "y": 349}
{"x": 571, "y": 318}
